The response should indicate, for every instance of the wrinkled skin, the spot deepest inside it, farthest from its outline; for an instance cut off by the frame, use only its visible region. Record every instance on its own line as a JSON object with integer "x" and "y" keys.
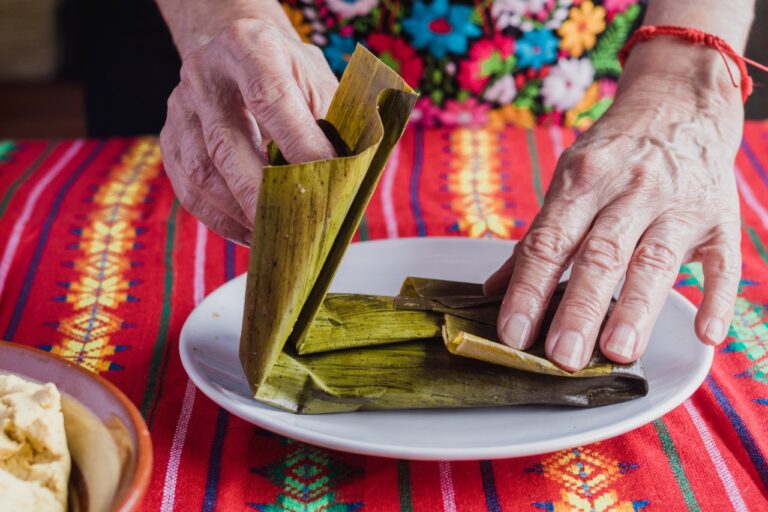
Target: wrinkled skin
{"x": 649, "y": 187}
{"x": 251, "y": 84}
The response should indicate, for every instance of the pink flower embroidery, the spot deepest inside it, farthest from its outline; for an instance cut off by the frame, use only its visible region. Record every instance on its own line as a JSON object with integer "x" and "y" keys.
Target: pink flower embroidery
{"x": 425, "y": 113}
{"x": 486, "y": 57}
{"x": 398, "y": 55}
{"x": 464, "y": 113}
{"x": 617, "y": 5}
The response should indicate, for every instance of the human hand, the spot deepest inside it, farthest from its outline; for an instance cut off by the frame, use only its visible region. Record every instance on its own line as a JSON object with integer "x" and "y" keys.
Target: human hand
{"x": 647, "y": 188}
{"x": 253, "y": 83}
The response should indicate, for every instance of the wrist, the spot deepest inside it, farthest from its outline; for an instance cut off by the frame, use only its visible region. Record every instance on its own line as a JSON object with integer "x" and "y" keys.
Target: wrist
{"x": 672, "y": 68}
{"x": 195, "y": 24}
{"x": 682, "y": 78}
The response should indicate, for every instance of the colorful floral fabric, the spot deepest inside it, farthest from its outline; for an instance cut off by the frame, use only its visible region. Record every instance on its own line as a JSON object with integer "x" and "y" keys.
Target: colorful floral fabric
{"x": 518, "y": 62}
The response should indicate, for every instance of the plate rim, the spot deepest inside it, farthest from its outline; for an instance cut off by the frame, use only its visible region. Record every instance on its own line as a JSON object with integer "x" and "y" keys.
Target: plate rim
{"x": 435, "y": 453}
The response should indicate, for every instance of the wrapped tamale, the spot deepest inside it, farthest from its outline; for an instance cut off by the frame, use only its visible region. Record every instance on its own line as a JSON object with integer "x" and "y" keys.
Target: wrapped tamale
{"x": 307, "y": 351}
{"x": 307, "y": 213}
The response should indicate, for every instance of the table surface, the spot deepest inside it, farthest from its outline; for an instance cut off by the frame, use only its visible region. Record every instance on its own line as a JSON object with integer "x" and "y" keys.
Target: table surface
{"x": 101, "y": 265}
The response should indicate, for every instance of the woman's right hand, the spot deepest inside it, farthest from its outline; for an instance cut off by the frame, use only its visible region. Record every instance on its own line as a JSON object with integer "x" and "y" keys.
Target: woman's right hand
{"x": 250, "y": 84}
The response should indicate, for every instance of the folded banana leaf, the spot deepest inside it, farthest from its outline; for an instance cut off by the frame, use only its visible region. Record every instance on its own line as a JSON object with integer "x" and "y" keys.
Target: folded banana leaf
{"x": 307, "y": 213}
{"x": 423, "y": 374}
{"x": 347, "y": 321}
{"x": 464, "y": 300}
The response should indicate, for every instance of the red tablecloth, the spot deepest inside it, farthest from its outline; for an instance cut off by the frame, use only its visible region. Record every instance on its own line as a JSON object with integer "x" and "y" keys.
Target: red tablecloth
{"x": 99, "y": 264}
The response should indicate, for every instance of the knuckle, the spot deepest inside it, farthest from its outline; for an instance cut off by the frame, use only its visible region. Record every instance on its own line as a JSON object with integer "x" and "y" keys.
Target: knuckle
{"x": 726, "y": 261}
{"x": 655, "y": 256}
{"x": 250, "y": 38}
{"x": 633, "y": 300}
{"x": 724, "y": 299}
{"x": 601, "y": 253}
{"x": 218, "y": 141}
{"x": 187, "y": 198}
{"x": 262, "y": 94}
{"x": 580, "y": 171}
{"x": 583, "y": 307}
{"x": 547, "y": 244}
{"x": 527, "y": 291}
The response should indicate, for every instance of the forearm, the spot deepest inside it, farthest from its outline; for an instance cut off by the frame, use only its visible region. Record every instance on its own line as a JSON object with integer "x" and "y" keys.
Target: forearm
{"x": 729, "y": 20}
{"x": 194, "y": 23}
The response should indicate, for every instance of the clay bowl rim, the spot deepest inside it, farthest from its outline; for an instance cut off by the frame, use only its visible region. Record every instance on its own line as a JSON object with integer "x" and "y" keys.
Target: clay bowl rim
{"x": 137, "y": 487}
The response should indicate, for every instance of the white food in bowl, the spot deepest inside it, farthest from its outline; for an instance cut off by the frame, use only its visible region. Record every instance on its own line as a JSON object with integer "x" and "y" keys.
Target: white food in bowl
{"x": 34, "y": 458}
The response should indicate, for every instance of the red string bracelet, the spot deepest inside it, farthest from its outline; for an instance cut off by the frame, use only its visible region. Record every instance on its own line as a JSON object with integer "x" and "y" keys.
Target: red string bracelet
{"x": 695, "y": 36}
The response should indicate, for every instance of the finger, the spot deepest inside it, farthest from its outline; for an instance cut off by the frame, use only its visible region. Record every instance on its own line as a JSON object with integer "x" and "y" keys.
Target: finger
{"x": 192, "y": 174}
{"x": 196, "y": 203}
{"x": 269, "y": 89}
{"x": 541, "y": 258}
{"x": 227, "y": 133}
{"x": 214, "y": 218}
{"x": 196, "y": 166}
{"x": 651, "y": 273}
{"x": 598, "y": 265}
{"x": 496, "y": 284}
{"x": 721, "y": 263}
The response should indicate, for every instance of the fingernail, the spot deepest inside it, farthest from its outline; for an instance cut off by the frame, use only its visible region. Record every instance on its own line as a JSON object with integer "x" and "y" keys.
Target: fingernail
{"x": 714, "y": 330}
{"x": 516, "y": 331}
{"x": 569, "y": 349}
{"x": 622, "y": 341}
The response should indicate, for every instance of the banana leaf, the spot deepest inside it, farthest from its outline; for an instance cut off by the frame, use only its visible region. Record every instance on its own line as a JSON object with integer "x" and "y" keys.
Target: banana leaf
{"x": 423, "y": 374}
{"x": 307, "y": 213}
{"x": 464, "y": 300}
{"x": 347, "y": 320}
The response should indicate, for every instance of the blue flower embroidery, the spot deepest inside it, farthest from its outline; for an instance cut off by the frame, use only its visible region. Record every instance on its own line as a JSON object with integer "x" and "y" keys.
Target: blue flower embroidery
{"x": 338, "y": 51}
{"x": 536, "y": 48}
{"x": 441, "y": 27}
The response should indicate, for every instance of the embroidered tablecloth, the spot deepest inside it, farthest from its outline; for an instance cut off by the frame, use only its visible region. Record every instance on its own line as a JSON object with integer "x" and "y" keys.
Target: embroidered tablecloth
{"x": 99, "y": 264}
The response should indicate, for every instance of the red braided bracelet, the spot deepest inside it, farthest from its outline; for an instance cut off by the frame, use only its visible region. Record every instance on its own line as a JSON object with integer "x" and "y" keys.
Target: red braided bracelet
{"x": 696, "y": 36}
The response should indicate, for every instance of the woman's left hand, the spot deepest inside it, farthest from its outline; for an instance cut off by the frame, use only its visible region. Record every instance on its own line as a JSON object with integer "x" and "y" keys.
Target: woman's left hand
{"x": 649, "y": 187}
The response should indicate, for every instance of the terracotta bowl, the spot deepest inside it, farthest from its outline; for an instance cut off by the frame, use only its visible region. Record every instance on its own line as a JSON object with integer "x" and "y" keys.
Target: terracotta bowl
{"x": 107, "y": 437}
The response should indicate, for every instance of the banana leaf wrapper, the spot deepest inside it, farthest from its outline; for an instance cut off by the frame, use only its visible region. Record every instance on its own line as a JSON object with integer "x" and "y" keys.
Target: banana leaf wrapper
{"x": 307, "y": 213}
{"x": 423, "y": 374}
{"x": 464, "y": 300}
{"x": 349, "y": 321}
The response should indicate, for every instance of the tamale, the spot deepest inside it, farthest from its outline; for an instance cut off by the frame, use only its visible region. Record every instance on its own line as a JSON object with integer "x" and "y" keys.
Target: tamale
{"x": 423, "y": 374}
{"x": 346, "y": 321}
{"x": 307, "y": 213}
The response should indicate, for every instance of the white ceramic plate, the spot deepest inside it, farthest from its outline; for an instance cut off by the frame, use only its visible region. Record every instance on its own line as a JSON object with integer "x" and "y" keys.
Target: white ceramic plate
{"x": 676, "y": 364}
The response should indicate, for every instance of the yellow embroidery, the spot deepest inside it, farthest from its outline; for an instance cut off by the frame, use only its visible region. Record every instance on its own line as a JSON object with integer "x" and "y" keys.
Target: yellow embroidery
{"x": 586, "y": 476}
{"x": 476, "y": 182}
{"x": 101, "y": 286}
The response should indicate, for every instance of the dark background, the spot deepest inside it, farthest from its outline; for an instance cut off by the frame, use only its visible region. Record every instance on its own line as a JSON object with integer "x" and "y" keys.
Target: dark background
{"x": 121, "y": 53}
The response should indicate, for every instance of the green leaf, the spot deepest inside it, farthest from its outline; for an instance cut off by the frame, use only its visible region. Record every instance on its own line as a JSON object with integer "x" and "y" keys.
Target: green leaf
{"x": 595, "y": 111}
{"x": 603, "y": 55}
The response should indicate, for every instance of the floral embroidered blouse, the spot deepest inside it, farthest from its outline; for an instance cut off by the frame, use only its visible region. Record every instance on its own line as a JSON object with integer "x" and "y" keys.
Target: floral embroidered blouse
{"x": 519, "y": 62}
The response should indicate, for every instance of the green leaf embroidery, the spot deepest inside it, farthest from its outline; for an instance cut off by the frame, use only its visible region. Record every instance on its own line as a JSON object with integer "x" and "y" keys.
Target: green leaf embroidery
{"x": 595, "y": 111}
{"x": 603, "y": 56}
